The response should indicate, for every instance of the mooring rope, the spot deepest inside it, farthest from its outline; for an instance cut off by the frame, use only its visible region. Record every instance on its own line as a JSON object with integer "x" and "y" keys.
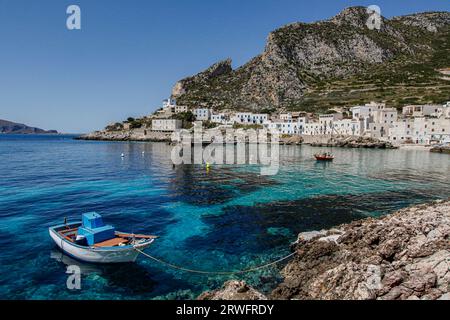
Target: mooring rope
{"x": 215, "y": 272}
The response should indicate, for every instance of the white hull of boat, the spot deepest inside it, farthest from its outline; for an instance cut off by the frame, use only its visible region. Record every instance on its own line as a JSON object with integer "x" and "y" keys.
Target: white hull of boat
{"x": 99, "y": 255}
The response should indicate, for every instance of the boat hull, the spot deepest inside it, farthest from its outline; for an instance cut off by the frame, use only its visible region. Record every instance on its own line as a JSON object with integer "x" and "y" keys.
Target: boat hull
{"x": 319, "y": 158}
{"x": 98, "y": 255}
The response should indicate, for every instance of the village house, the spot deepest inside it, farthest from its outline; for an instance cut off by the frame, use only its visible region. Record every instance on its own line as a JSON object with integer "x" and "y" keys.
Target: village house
{"x": 180, "y": 109}
{"x": 202, "y": 114}
{"x": 422, "y": 125}
{"x": 402, "y": 131}
{"x": 291, "y": 127}
{"x": 219, "y": 118}
{"x": 380, "y": 122}
{"x": 351, "y": 127}
{"x": 420, "y": 110}
{"x": 249, "y": 118}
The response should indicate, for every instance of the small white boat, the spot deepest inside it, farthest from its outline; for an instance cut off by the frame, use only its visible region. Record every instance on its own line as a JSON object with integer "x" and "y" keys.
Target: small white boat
{"x": 92, "y": 241}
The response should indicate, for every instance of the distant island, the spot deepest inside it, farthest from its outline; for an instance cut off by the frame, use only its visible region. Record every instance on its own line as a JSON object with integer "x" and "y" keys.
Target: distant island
{"x": 9, "y": 127}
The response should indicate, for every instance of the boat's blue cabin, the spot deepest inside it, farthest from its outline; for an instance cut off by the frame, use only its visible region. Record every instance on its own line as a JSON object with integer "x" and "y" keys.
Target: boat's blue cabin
{"x": 94, "y": 230}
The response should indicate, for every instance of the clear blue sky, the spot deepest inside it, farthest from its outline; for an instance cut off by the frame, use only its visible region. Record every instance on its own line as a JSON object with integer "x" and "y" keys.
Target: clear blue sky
{"x": 129, "y": 54}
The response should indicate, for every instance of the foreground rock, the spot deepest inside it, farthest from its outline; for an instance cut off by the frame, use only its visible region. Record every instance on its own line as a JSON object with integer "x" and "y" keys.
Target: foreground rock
{"x": 441, "y": 149}
{"x": 233, "y": 290}
{"x": 353, "y": 142}
{"x": 127, "y": 135}
{"x": 405, "y": 255}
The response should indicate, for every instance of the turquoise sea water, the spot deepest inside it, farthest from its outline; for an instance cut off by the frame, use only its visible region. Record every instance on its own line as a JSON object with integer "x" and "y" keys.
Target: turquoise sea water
{"x": 229, "y": 218}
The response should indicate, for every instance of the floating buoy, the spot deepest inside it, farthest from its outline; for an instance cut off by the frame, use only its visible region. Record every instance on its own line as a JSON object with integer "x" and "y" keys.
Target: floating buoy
{"x": 122, "y": 155}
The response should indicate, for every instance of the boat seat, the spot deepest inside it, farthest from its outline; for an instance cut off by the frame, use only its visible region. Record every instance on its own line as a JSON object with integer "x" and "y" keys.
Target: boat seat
{"x": 111, "y": 242}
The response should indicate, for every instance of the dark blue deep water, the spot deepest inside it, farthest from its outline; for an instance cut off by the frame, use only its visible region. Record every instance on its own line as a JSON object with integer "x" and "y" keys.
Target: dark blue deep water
{"x": 229, "y": 218}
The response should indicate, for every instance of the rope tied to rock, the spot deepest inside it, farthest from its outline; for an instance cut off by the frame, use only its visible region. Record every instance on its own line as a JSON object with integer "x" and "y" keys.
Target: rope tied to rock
{"x": 173, "y": 266}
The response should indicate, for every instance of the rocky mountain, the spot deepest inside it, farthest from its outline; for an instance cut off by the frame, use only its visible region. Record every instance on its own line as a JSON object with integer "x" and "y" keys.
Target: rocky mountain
{"x": 336, "y": 62}
{"x": 18, "y": 128}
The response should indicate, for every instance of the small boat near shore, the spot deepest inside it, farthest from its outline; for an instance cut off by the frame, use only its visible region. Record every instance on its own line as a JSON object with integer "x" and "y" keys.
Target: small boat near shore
{"x": 90, "y": 240}
{"x": 325, "y": 156}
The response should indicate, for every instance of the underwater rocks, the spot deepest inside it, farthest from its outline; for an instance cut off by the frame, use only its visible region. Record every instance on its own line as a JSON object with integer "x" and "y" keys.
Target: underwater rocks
{"x": 233, "y": 290}
{"x": 353, "y": 142}
{"x": 404, "y": 255}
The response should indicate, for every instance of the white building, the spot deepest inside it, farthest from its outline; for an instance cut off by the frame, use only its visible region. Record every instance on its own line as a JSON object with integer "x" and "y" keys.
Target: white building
{"x": 287, "y": 127}
{"x": 168, "y": 108}
{"x": 421, "y": 130}
{"x": 313, "y": 128}
{"x": 219, "y": 118}
{"x": 202, "y": 114}
{"x": 402, "y": 131}
{"x": 421, "y": 110}
{"x": 367, "y": 110}
{"x": 286, "y": 117}
{"x": 327, "y": 120}
{"x": 379, "y": 123}
{"x": 443, "y": 111}
{"x": 169, "y": 103}
{"x": 250, "y": 118}
{"x": 166, "y": 125}
{"x": 179, "y": 109}
{"x": 349, "y": 127}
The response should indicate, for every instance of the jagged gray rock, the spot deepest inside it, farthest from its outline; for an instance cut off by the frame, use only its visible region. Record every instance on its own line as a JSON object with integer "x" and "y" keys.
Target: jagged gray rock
{"x": 404, "y": 255}
{"x": 233, "y": 290}
{"x": 299, "y": 55}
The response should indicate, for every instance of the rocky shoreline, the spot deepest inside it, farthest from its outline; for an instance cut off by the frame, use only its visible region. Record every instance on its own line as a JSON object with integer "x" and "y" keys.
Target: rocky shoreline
{"x": 150, "y": 136}
{"x": 441, "y": 149}
{"x": 353, "y": 142}
{"x": 404, "y": 255}
{"x": 131, "y": 135}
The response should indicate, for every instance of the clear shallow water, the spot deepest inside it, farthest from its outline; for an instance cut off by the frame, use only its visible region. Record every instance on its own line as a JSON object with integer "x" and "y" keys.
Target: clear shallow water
{"x": 228, "y": 219}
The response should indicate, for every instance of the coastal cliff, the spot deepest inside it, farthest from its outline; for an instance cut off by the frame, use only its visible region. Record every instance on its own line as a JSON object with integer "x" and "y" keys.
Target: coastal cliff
{"x": 335, "y": 62}
{"x": 404, "y": 255}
